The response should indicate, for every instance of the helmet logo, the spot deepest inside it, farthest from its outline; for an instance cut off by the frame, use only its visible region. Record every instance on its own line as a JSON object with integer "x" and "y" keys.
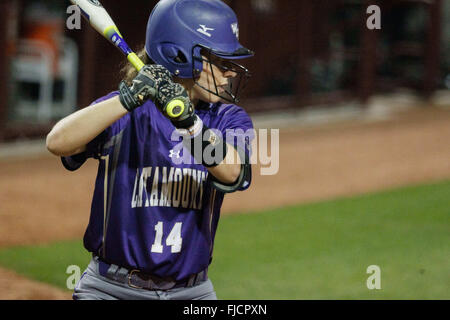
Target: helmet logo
{"x": 204, "y": 30}
{"x": 235, "y": 29}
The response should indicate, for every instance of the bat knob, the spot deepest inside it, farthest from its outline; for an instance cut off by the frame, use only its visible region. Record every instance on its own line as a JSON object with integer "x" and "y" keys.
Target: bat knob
{"x": 175, "y": 108}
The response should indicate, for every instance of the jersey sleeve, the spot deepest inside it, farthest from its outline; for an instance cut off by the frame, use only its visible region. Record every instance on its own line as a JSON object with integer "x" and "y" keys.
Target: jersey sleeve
{"x": 95, "y": 146}
{"x": 237, "y": 130}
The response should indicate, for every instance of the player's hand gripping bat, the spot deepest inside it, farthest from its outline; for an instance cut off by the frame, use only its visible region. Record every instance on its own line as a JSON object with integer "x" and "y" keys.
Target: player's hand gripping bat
{"x": 101, "y": 21}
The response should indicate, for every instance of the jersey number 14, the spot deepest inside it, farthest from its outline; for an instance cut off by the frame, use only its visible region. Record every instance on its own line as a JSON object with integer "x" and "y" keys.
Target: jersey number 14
{"x": 173, "y": 240}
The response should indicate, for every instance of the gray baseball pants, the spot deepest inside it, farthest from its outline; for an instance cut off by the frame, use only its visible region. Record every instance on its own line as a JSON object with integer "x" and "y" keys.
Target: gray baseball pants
{"x": 93, "y": 286}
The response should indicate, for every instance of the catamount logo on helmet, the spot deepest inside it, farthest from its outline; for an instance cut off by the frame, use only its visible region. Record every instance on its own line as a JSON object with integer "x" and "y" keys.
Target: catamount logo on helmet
{"x": 235, "y": 28}
{"x": 95, "y": 3}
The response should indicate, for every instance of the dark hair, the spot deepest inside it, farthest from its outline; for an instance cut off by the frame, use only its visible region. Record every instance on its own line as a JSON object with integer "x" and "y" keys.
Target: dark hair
{"x": 128, "y": 72}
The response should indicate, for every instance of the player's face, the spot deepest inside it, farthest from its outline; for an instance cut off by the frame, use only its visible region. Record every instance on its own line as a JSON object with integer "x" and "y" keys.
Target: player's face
{"x": 214, "y": 75}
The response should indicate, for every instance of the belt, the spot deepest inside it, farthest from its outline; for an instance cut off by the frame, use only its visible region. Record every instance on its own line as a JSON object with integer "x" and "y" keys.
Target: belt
{"x": 139, "y": 280}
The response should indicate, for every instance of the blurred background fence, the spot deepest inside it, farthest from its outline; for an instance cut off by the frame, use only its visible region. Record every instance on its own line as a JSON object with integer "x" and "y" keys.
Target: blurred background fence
{"x": 307, "y": 53}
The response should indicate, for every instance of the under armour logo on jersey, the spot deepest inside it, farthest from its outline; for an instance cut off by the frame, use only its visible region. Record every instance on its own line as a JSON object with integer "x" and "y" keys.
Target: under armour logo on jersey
{"x": 175, "y": 154}
{"x": 235, "y": 29}
{"x": 204, "y": 30}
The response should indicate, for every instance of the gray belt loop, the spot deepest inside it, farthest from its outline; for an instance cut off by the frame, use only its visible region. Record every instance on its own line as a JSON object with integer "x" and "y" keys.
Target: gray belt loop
{"x": 200, "y": 276}
{"x": 112, "y": 271}
{"x": 191, "y": 281}
{"x": 122, "y": 274}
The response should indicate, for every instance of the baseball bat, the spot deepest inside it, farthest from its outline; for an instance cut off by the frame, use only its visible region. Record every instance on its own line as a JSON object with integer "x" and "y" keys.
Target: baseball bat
{"x": 101, "y": 21}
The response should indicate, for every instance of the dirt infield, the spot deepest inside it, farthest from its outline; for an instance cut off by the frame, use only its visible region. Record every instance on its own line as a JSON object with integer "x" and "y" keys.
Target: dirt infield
{"x": 16, "y": 287}
{"x": 42, "y": 202}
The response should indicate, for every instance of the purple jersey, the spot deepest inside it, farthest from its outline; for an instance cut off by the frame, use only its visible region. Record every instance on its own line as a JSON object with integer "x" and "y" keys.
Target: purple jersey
{"x": 148, "y": 213}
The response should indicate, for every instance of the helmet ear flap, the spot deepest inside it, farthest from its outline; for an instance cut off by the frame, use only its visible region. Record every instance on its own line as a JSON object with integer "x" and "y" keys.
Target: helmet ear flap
{"x": 168, "y": 51}
{"x": 173, "y": 56}
{"x": 180, "y": 58}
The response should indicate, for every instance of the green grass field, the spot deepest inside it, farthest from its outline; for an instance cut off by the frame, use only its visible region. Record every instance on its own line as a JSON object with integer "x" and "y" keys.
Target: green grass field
{"x": 312, "y": 251}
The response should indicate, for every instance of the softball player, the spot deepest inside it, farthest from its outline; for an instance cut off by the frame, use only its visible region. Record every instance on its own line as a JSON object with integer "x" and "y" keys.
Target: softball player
{"x": 157, "y": 197}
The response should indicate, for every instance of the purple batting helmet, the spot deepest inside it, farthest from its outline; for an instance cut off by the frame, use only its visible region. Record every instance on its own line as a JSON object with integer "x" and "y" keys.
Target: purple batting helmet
{"x": 179, "y": 32}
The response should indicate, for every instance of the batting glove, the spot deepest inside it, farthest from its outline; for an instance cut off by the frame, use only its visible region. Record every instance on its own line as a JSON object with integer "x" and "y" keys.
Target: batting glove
{"x": 144, "y": 86}
{"x": 173, "y": 101}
